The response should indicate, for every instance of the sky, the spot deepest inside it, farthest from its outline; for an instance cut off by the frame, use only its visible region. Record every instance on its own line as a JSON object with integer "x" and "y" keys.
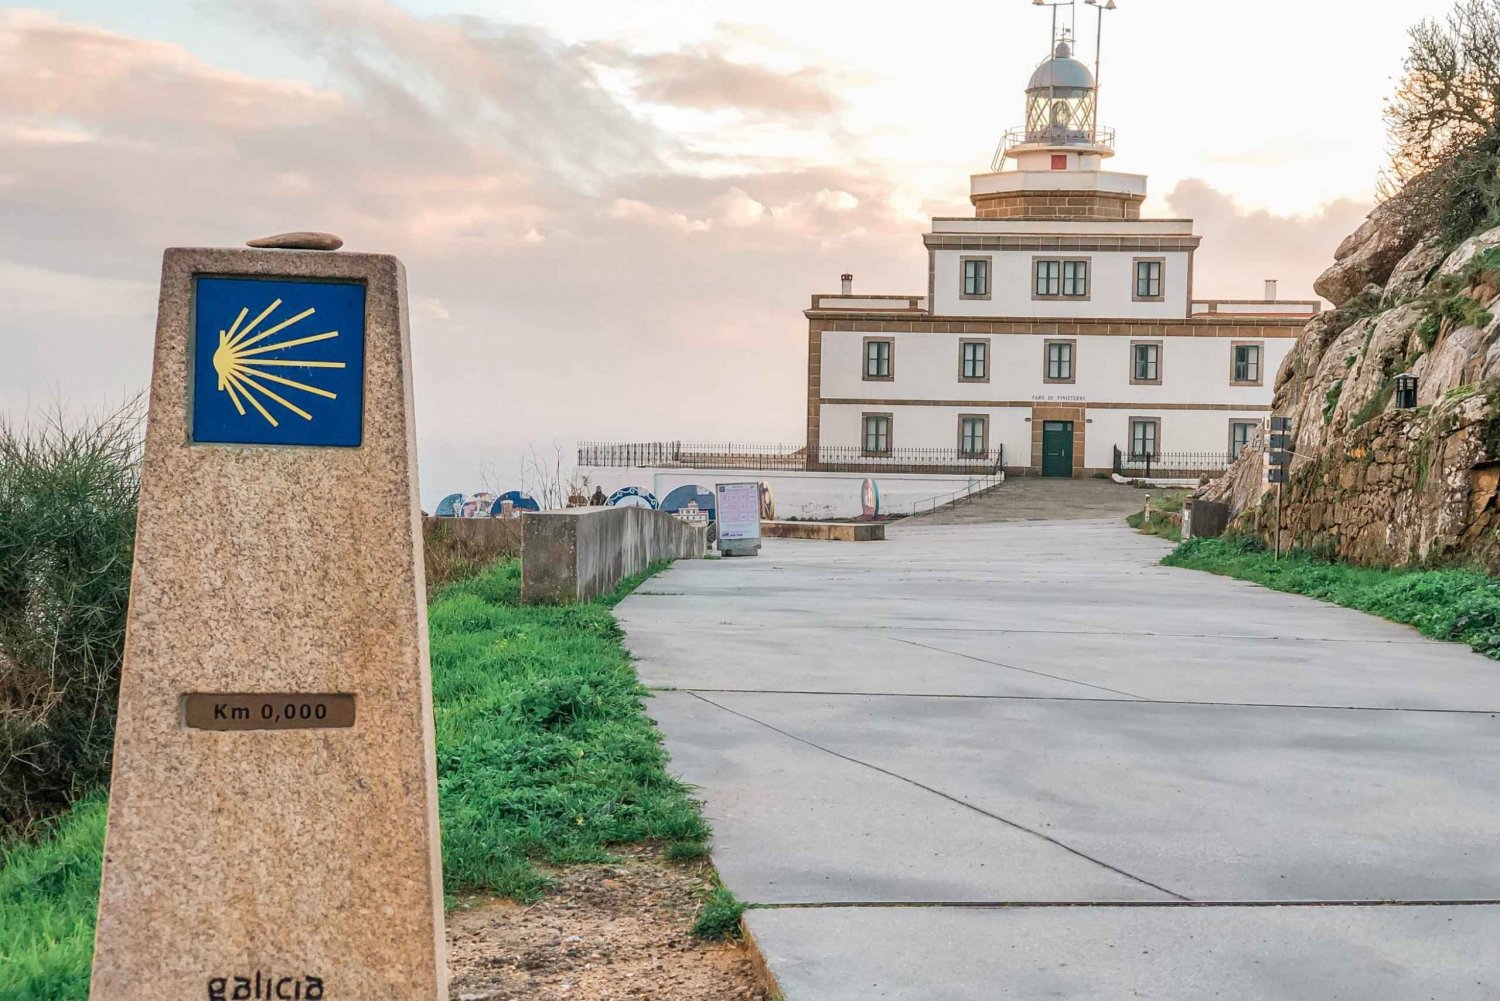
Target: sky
{"x": 612, "y": 215}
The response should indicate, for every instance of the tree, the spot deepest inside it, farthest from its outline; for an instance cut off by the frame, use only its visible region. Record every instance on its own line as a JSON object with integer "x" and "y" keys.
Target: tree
{"x": 1444, "y": 121}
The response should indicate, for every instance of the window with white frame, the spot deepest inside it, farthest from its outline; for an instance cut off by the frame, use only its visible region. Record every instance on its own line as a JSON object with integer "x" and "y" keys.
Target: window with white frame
{"x": 878, "y": 358}
{"x": 976, "y": 276}
{"x": 1148, "y": 279}
{"x": 1241, "y": 434}
{"x": 1245, "y": 367}
{"x": 973, "y": 433}
{"x": 1144, "y": 432}
{"x": 1145, "y": 362}
{"x": 974, "y": 361}
{"x": 1059, "y": 361}
{"x": 877, "y": 434}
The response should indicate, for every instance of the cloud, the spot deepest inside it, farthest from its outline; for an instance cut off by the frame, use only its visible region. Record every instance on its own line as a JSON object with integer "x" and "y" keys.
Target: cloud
{"x": 708, "y": 81}
{"x": 1242, "y": 247}
{"x": 587, "y": 281}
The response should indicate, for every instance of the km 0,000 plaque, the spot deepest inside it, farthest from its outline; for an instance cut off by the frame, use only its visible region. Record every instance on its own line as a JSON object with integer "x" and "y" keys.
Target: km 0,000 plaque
{"x": 266, "y": 711}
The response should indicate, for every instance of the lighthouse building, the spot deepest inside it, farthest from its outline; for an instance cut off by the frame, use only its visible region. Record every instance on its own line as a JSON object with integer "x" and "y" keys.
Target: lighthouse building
{"x": 1060, "y": 333}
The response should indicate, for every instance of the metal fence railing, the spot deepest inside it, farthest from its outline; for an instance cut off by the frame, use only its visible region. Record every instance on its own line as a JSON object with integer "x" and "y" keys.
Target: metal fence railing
{"x": 789, "y": 458}
{"x": 1171, "y": 465}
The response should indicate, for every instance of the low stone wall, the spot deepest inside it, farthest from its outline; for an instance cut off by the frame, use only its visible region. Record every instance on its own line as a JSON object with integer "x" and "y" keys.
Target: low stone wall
{"x": 825, "y": 531}
{"x": 577, "y": 554}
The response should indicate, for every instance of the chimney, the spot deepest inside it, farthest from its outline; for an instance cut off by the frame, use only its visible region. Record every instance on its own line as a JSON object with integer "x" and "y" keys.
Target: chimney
{"x": 1270, "y": 290}
{"x": 848, "y": 281}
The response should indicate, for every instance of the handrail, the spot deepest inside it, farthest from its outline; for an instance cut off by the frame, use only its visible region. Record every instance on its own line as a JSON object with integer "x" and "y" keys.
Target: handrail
{"x": 1101, "y": 137}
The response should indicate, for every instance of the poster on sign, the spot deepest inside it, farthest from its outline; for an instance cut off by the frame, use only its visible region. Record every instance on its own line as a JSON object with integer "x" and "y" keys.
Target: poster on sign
{"x": 739, "y": 518}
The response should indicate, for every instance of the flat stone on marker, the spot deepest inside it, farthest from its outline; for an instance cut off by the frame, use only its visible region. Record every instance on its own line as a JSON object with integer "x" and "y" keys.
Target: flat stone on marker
{"x": 300, "y": 240}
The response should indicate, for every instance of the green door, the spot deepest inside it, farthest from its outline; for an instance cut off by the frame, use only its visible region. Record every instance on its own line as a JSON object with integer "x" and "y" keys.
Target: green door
{"x": 1057, "y": 448}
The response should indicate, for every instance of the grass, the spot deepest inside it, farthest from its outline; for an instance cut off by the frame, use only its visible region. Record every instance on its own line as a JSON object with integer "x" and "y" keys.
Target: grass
{"x": 1156, "y": 522}
{"x": 720, "y": 917}
{"x": 48, "y": 892}
{"x": 1448, "y": 604}
{"x": 544, "y": 752}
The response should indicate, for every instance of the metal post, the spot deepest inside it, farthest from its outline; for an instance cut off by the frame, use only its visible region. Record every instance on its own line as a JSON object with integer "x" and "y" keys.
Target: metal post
{"x": 1279, "y": 488}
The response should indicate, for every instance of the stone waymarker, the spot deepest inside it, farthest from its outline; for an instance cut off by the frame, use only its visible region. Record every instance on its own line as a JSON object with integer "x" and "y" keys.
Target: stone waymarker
{"x": 273, "y": 817}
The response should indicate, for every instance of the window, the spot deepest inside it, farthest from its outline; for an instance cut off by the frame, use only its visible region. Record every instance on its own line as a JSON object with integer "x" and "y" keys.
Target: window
{"x": 1244, "y": 369}
{"x": 1059, "y": 361}
{"x": 1144, "y": 432}
{"x": 973, "y": 434}
{"x": 976, "y": 273}
{"x": 974, "y": 361}
{"x": 877, "y": 434}
{"x": 1075, "y": 278}
{"x": 1241, "y": 433}
{"x": 1048, "y": 278}
{"x": 879, "y": 358}
{"x": 1059, "y": 161}
{"x": 1145, "y": 363}
{"x": 1059, "y": 279}
{"x": 1147, "y": 280}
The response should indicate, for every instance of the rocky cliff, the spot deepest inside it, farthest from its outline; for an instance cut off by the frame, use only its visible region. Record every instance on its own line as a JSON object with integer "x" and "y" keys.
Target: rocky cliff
{"x": 1370, "y": 482}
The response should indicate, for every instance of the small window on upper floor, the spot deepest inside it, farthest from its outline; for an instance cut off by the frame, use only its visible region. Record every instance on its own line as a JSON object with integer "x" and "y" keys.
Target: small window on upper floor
{"x": 1061, "y": 279}
{"x": 974, "y": 361}
{"x": 1145, "y": 363}
{"x": 1059, "y": 161}
{"x": 1245, "y": 364}
{"x": 1059, "y": 363}
{"x": 878, "y": 358}
{"x": 1148, "y": 280}
{"x": 976, "y": 277}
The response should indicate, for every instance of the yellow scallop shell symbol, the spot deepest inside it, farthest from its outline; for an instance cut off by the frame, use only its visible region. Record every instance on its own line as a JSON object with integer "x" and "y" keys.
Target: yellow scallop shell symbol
{"x": 241, "y": 368}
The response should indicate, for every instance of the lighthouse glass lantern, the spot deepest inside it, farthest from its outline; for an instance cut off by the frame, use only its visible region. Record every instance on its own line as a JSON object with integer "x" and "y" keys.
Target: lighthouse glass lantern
{"x": 1060, "y": 101}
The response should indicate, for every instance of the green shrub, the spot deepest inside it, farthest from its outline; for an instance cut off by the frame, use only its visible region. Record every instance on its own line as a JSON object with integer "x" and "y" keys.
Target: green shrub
{"x": 67, "y": 533}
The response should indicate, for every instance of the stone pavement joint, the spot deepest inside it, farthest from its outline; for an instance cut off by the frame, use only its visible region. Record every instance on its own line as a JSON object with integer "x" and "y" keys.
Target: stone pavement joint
{"x": 1024, "y": 670}
{"x": 951, "y": 798}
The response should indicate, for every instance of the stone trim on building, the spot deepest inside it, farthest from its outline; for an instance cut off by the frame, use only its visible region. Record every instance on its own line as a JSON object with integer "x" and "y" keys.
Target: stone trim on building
{"x": 1248, "y": 328}
{"x": 1086, "y": 404}
{"x": 814, "y": 390}
{"x": 1057, "y": 205}
{"x": 1041, "y": 413}
{"x": 1060, "y": 243}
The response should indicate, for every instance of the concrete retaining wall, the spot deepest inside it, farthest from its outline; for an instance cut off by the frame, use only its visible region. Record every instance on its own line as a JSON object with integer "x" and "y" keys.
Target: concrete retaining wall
{"x": 577, "y": 554}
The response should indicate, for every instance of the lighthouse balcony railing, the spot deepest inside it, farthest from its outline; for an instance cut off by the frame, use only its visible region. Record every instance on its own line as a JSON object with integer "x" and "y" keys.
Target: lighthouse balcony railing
{"x": 1101, "y": 137}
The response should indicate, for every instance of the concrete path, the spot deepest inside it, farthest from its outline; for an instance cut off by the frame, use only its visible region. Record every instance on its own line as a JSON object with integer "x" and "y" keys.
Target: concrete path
{"x": 1024, "y": 761}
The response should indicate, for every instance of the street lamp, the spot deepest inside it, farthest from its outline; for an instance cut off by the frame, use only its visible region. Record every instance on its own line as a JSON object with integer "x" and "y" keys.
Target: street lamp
{"x": 1098, "y": 40}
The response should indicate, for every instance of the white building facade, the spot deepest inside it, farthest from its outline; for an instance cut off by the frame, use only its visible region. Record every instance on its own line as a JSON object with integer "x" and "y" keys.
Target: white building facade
{"x": 1058, "y": 326}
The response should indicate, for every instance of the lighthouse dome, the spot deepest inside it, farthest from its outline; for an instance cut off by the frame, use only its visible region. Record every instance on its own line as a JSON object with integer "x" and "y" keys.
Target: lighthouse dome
{"x": 1061, "y": 72}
